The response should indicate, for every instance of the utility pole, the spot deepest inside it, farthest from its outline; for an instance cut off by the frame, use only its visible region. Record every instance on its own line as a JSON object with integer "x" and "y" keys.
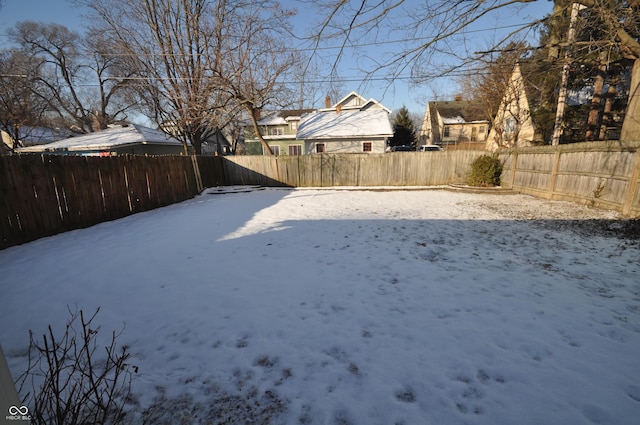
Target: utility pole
{"x": 562, "y": 95}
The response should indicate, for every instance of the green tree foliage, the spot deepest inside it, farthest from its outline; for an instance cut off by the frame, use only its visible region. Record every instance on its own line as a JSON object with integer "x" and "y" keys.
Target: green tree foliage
{"x": 404, "y": 131}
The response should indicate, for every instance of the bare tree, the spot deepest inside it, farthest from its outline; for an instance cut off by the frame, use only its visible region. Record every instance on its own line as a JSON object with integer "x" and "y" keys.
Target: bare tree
{"x": 437, "y": 27}
{"x": 20, "y": 108}
{"x": 71, "y": 74}
{"x": 258, "y": 61}
{"x": 495, "y": 87}
{"x": 198, "y": 63}
{"x": 169, "y": 47}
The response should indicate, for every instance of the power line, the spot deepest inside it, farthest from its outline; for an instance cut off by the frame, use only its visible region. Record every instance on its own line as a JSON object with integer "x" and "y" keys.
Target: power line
{"x": 301, "y": 48}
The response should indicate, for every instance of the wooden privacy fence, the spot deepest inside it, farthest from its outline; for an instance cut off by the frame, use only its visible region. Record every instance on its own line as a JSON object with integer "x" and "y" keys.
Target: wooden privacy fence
{"x": 45, "y": 195}
{"x": 600, "y": 174}
{"x": 42, "y": 195}
{"x": 390, "y": 169}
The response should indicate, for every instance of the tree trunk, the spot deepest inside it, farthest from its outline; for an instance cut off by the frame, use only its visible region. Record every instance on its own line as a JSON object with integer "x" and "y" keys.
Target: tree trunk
{"x": 608, "y": 107}
{"x": 631, "y": 125}
{"x": 196, "y": 143}
{"x": 593, "y": 120}
{"x": 253, "y": 114}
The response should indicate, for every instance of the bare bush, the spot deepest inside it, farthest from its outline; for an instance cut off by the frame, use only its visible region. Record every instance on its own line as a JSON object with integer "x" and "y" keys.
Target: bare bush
{"x": 69, "y": 381}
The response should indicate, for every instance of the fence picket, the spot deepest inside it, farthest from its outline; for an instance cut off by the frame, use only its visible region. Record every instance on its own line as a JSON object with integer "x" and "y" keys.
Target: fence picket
{"x": 46, "y": 194}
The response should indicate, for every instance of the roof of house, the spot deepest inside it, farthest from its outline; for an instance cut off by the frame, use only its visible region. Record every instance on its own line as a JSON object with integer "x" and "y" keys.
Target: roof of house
{"x": 41, "y": 135}
{"x": 107, "y": 139}
{"x": 460, "y": 111}
{"x": 355, "y": 101}
{"x": 345, "y": 124}
{"x": 282, "y": 117}
{"x": 29, "y": 136}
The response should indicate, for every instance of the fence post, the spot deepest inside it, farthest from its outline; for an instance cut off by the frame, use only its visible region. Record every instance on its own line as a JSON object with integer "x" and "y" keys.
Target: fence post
{"x": 196, "y": 173}
{"x": 514, "y": 166}
{"x": 633, "y": 186}
{"x": 554, "y": 172}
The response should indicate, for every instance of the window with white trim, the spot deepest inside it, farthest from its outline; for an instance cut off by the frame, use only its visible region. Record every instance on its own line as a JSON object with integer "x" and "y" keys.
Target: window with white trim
{"x": 295, "y": 149}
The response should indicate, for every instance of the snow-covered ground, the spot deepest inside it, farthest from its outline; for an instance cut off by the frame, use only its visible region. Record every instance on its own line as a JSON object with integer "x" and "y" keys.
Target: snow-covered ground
{"x": 351, "y": 307}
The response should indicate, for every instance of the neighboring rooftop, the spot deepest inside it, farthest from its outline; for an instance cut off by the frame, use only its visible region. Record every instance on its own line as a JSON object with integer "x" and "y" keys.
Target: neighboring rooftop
{"x": 349, "y": 123}
{"x": 282, "y": 117}
{"x": 354, "y": 101}
{"x": 107, "y": 139}
{"x": 460, "y": 111}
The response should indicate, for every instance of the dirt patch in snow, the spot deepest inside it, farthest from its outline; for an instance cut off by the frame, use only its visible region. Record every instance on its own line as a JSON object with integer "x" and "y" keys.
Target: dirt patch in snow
{"x": 578, "y": 218}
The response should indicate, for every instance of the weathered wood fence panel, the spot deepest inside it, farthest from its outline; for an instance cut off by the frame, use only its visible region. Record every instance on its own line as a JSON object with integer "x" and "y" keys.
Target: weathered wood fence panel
{"x": 601, "y": 174}
{"x": 48, "y": 194}
{"x": 396, "y": 169}
{"x": 45, "y": 195}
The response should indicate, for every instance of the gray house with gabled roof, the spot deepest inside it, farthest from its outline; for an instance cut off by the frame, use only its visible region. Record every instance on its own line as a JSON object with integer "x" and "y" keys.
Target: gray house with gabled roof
{"x": 352, "y": 125}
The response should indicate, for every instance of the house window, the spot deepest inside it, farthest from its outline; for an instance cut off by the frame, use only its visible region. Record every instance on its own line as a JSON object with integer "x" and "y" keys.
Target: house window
{"x": 474, "y": 134}
{"x": 319, "y": 147}
{"x": 447, "y": 131}
{"x": 275, "y": 150}
{"x": 277, "y": 131}
{"x": 483, "y": 129}
{"x": 294, "y": 125}
{"x": 366, "y": 147}
{"x": 295, "y": 149}
{"x": 510, "y": 125}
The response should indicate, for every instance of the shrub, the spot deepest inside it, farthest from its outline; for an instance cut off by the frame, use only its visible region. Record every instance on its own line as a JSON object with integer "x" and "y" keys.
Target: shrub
{"x": 70, "y": 381}
{"x": 485, "y": 171}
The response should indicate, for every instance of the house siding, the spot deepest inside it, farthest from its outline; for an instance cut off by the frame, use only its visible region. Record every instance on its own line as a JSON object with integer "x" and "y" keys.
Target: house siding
{"x": 513, "y": 107}
{"x": 346, "y": 146}
{"x": 452, "y": 123}
{"x": 279, "y": 130}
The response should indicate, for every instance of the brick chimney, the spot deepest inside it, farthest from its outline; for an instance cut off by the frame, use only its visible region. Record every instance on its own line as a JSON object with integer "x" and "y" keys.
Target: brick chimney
{"x": 327, "y": 102}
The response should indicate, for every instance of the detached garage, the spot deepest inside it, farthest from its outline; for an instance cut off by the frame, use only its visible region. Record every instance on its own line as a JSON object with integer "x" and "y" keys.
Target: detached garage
{"x": 130, "y": 139}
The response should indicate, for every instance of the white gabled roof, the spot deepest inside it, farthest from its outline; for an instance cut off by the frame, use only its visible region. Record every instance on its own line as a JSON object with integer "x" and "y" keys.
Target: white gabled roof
{"x": 107, "y": 139}
{"x": 355, "y": 101}
{"x": 272, "y": 118}
{"x": 351, "y": 100}
{"x": 345, "y": 124}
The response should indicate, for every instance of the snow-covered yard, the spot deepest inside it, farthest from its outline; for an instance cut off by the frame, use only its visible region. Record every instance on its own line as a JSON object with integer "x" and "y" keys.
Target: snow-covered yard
{"x": 351, "y": 307}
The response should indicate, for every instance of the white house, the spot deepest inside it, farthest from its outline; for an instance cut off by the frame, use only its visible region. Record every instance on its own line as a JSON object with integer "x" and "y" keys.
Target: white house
{"x": 352, "y": 125}
{"x": 513, "y": 125}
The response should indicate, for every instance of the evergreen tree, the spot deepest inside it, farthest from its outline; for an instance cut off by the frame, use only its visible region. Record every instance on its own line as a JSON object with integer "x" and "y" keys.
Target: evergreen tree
{"x": 404, "y": 131}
